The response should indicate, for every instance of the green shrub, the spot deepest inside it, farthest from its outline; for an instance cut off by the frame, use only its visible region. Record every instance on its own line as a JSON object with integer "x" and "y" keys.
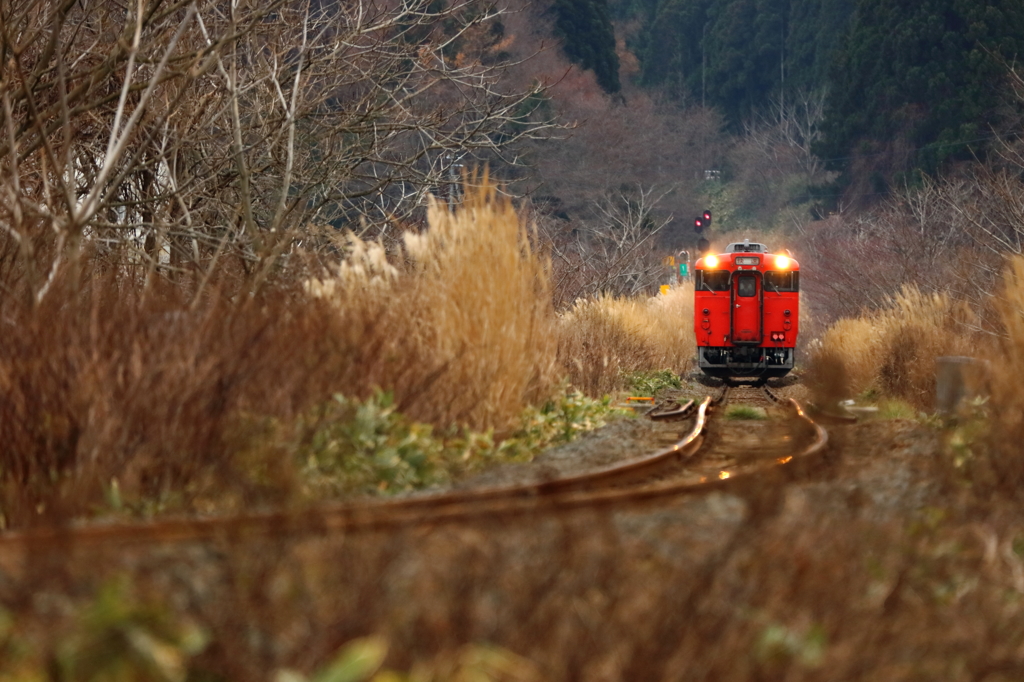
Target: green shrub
{"x": 896, "y": 409}
{"x": 745, "y": 412}
{"x": 650, "y": 383}
{"x": 116, "y": 637}
{"x": 370, "y": 447}
{"x": 558, "y": 421}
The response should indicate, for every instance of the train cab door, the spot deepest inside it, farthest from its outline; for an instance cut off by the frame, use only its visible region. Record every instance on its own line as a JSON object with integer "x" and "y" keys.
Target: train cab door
{"x": 746, "y": 308}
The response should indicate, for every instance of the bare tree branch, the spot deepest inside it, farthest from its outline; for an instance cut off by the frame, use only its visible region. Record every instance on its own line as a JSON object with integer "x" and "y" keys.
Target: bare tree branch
{"x": 179, "y": 136}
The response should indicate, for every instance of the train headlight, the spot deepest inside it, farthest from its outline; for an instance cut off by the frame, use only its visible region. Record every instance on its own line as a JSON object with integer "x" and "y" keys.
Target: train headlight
{"x": 781, "y": 262}
{"x": 711, "y": 262}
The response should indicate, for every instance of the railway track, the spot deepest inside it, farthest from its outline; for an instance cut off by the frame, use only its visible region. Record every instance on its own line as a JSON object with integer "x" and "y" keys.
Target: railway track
{"x": 764, "y": 432}
{"x": 710, "y": 454}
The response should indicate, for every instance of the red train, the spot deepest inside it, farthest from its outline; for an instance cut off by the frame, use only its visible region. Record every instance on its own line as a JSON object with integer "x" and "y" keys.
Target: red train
{"x": 746, "y": 312}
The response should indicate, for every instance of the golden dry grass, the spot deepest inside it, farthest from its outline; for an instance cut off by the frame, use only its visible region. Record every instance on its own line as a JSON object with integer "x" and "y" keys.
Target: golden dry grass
{"x": 602, "y": 339}
{"x": 725, "y": 587}
{"x": 469, "y": 312}
{"x": 893, "y": 350}
{"x": 1005, "y": 433}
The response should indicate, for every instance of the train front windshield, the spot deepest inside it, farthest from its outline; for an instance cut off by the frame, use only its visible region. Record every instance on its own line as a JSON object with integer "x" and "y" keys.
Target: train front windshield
{"x": 712, "y": 280}
{"x": 782, "y": 281}
{"x": 747, "y": 286}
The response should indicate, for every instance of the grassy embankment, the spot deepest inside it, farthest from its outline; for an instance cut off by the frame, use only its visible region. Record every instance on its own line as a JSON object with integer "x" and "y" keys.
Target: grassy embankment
{"x": 604, "y": 340}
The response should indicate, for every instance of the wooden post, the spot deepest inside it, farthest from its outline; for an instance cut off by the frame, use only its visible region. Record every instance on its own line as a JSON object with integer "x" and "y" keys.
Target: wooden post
{"x": 953, "y": 382}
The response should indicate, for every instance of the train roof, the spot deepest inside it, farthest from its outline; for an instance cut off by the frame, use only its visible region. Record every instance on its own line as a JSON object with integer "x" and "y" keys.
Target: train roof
{"x": 746, "y": 247}
{"x": 732, "y": 255}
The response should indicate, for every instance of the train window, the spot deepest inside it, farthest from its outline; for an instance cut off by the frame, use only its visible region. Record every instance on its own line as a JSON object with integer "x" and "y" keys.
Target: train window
{"x": 782, "y": 281}
{"x": 746, "y": 286}
{"x": 712, "y": 280}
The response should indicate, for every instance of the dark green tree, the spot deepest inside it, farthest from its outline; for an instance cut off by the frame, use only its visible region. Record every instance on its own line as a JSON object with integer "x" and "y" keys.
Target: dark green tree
{"x": 737, "y": 55}
{"x": 813, "y": 30}
{"x": 744, "y": 49}
{"x": 588, "y": 38}
{"x": 918, "y": 83}
{"x": 670, "y": 50}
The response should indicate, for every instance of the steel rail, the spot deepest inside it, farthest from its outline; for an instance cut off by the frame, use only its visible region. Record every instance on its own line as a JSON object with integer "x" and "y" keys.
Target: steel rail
{"x": 362, "y": 512}
{"x": 606, "y": 497}
{"x": 680, "y": 411}
{"x": 556, "y": 495}
{"x": 771, "y": 396}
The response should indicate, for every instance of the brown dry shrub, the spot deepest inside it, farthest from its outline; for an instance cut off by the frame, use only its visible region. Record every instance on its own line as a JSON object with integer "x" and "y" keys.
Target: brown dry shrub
{"x": 108, "y": 381}
{"x": 827, "y": 376}
{"x": 705, "y": 591}
{"x": 601, "y": 340}
{"x": 112, "y": 389}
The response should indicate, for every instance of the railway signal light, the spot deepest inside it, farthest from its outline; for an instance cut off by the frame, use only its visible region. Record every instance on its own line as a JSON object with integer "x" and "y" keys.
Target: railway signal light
{"x": 698, "y": 225}
{"x": 703, "y": 246}
{"x": 707, "y": 218}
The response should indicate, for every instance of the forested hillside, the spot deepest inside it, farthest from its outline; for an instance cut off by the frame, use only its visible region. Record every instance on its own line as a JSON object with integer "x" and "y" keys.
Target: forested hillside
{"x": 737, "y": 54}
{"x": 919, "y": 84}
{"x": 588, "y": 38}
{"x": 899, "y": 89}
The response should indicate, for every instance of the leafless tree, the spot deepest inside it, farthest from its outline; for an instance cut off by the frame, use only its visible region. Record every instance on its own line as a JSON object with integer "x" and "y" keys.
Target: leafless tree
{"x": 786, "y": 132}
{"x": 194, "y": 136}
{"x": 941, "y": 236}
{"x": 950, "y": 234}
{"x": 615, "y": 253}
{"x": 772, "y": 162}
